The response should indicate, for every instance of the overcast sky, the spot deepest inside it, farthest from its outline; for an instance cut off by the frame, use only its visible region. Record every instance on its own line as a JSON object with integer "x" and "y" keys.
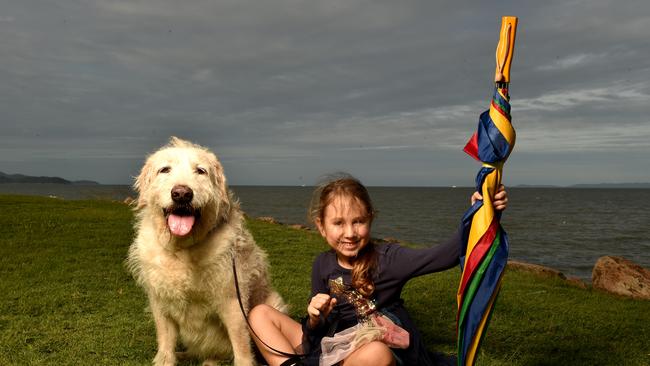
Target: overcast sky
{"x": 287, "y": 90}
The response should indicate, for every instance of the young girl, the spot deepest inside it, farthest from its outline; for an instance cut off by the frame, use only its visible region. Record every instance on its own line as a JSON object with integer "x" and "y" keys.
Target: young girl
{"x": 355, "y": 314}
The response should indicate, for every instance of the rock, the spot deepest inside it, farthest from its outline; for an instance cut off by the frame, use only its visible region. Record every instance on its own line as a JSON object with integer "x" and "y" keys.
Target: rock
{"x": 268, "y": 219}
{"x": 576, "y": 281}
{"x": 387, "y": 240}
{"x": 298, "y": 227}
{"x": 536, "y": 269}
{"x": 621, "y": 276}
{"x": 390, "y": 239}
{"x": 547, "y": 272}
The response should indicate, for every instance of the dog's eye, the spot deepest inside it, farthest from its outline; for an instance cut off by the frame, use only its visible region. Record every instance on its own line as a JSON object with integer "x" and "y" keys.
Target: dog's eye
{"x": 164, "y": 170}
{"x": 201, "y": 171}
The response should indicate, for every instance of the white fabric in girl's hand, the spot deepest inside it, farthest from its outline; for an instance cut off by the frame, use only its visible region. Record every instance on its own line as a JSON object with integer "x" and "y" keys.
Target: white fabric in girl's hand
{"x": 378, "y": 328}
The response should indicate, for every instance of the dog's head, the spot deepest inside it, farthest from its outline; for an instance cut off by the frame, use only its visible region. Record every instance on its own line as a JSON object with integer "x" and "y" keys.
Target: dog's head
{"x": 184, "y": 184}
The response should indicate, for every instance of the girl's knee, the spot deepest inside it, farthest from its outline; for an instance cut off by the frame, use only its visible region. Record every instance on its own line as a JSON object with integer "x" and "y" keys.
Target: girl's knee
{"x": 259, "y": 313}
{"x": 373, "y": 353}
{"x": 264, "y": 315}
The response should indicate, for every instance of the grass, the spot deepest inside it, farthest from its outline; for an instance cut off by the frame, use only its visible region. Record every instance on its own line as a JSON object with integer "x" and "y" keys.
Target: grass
{"x": 67, "y": 299}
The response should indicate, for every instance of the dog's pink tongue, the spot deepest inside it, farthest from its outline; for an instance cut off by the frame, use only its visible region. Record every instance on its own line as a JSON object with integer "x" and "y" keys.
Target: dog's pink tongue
{"x": 180, "y": 225}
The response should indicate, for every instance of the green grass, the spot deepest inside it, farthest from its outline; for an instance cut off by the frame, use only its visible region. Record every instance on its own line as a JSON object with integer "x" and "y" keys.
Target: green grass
{"x": 67, "y": 299}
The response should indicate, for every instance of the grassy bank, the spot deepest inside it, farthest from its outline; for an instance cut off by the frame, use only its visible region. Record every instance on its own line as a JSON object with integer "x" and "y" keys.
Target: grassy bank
{"x": 67, "y": 300}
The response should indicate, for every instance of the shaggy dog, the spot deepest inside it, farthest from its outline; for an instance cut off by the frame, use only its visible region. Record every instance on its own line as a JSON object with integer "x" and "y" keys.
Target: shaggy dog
{"x": 189, "y": 227}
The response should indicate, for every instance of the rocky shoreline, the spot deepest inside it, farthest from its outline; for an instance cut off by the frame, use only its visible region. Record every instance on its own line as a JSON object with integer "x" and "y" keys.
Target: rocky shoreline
{"x": 614, "y": 275}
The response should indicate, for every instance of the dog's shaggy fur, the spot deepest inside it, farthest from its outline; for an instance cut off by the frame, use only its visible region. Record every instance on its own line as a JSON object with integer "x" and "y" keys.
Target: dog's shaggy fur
{"x": 188, "y": 228}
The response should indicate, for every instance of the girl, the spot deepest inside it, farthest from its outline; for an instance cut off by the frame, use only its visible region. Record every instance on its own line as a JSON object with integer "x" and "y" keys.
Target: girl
{"x": 364, "y": 322}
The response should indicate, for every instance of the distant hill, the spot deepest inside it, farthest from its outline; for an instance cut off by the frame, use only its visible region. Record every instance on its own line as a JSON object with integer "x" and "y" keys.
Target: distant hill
{"x": 20, "y": 178}
{"x": 590, "y": 185}
{"x": 85, "y": 182}
{"x": 536, "y": 186}
{"x": 612, "y": 185}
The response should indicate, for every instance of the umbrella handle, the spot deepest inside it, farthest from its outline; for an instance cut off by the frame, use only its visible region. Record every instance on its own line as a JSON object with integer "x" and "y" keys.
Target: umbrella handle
{"x": 505, "y": 49}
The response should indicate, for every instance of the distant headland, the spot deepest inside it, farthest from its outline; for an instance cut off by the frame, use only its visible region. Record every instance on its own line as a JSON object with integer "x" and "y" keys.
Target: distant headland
{"x": 20, "y": 178}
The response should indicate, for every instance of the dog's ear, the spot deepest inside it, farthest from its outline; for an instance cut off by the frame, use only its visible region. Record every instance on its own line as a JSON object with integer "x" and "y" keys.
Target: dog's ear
{"x": 179, "y": 142}
{"x": 222, "y": 190}
{"x": 142, "y": 182}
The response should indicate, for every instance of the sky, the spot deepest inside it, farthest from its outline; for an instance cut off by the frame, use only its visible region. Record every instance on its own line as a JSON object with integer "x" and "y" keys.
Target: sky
{"x": 284, "y": 91}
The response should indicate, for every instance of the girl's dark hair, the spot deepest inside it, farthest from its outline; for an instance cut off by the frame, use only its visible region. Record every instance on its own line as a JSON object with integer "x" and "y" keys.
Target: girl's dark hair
{"x": 345, "y": 185}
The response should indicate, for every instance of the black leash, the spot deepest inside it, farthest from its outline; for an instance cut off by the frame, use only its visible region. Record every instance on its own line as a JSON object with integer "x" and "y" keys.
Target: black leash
{"x": 243, "y": 312}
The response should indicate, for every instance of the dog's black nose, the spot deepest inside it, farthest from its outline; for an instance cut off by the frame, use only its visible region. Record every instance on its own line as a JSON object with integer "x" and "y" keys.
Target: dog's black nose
{"x": 182, "y": 194}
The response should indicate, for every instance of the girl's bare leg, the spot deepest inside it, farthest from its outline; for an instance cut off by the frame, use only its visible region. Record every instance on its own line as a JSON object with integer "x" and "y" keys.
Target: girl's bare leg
{"x": 374, "y": 353}
{"x": 277, "y": 330}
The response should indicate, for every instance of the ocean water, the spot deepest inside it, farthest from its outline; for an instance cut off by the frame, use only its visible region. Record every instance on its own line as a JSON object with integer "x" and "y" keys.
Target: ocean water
{"x": 564, "y": 228}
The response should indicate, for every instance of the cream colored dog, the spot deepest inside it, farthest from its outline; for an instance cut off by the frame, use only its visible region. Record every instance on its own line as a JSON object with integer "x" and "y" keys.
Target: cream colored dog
{"x": 188, "y": 228}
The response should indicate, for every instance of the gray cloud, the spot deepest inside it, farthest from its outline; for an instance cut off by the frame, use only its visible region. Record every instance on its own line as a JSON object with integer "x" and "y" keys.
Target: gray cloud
{"x": 285, "y": 91}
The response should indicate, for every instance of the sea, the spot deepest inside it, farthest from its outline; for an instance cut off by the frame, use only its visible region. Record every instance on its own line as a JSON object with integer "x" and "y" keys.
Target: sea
{"x": 564, "y": 228}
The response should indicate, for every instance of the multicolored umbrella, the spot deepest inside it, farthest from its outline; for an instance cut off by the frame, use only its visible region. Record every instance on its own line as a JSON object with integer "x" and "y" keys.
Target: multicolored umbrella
{"x": 485, "y": 244}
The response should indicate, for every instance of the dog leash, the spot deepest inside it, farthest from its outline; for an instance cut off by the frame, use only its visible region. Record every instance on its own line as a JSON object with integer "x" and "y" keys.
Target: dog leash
{"x": 243, "y": 312}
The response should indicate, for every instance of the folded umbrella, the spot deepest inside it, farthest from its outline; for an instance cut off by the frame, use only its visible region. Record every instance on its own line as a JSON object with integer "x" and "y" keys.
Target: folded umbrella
{"x": 484, "y": 251}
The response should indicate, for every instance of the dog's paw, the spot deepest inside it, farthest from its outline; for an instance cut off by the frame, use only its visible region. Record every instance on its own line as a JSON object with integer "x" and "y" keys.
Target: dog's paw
{"x": 210, "y": 362}
{"x": 164, "y": 359}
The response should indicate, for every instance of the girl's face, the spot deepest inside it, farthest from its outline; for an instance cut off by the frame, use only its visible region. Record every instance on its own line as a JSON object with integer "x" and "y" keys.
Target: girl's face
{"x": 346, "y": 228}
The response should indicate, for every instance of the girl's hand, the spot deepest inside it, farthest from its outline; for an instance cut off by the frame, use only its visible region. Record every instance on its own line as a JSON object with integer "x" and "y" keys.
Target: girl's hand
{"x": 500, "y": 198}
{"x": 319, "y": 304}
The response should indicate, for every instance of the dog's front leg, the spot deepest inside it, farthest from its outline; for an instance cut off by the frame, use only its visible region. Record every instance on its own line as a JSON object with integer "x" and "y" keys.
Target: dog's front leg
{"x": 238, "y": 334}
{"x": 166, "y": 334}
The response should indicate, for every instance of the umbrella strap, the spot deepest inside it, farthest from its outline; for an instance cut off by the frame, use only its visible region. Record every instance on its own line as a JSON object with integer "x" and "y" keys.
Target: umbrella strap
{"x": 506, "y": 47}
{"x": 496, "y": 165}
